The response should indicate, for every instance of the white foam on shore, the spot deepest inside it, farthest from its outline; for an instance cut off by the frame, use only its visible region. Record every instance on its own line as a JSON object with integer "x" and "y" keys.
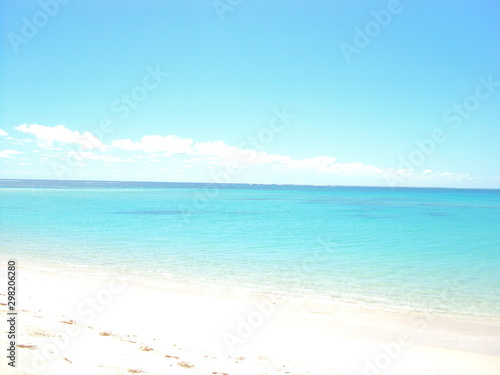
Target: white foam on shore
{"x": 345, "y": 301}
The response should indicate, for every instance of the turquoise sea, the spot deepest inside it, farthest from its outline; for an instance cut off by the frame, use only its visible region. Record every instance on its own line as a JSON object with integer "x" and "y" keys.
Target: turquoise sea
{"x": 433, "y": 250}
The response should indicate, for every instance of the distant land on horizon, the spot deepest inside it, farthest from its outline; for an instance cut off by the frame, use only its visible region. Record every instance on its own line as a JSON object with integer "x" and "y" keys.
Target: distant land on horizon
{"x": 231, "y": 184}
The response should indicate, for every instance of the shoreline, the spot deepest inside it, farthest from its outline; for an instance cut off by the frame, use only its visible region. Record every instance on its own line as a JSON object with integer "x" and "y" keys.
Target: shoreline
{"x": 224, "y": 327}
{"x": 174, "y": 283}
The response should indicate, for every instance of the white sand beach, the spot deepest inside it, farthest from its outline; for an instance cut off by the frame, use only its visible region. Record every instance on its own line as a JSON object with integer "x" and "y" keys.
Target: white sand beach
{"x": 70, "y": 324}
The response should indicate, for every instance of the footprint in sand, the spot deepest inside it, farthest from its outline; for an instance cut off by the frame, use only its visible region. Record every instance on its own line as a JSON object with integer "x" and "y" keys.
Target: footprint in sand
{"x": 185, "y": 364}
{"x": 68, "y": 321}
{"x": 30, "y": 347}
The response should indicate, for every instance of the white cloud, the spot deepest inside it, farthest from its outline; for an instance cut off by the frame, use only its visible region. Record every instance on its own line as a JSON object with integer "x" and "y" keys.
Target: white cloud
{"x": 218, "y": 152}
{"x": 3, "y": 133}
{"x": 399, "y": 175}
{"x": 223, "y": 151}
{"x": 47, "y": 135}
{"x": 9, "y": 153}
{"x": 451, "y": 175}
{"x": 210, "y": 153}
{"x": 170, "y": 144}
{"x": 323, "y": 163}
{"x": 88, "y": 155}
{"x": 320, "y": 164}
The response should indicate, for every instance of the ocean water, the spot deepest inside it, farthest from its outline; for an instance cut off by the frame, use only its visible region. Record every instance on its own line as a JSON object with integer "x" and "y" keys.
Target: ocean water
{"x": 433, "y": 250}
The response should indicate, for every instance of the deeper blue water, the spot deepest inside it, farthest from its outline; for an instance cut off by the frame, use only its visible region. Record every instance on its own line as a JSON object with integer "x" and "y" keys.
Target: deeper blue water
{"x": 436, "y": 250}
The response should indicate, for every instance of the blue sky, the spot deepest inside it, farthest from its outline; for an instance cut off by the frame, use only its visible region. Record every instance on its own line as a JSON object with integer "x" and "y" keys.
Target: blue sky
{"x": 396, "y": 93}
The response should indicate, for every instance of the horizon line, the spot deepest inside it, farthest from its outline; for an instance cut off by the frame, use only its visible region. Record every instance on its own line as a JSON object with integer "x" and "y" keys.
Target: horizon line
{"x": 254, "y": 183}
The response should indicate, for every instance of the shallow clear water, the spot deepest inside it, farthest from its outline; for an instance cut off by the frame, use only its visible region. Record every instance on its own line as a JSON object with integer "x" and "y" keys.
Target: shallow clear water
{"x": 426, "y": 249}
